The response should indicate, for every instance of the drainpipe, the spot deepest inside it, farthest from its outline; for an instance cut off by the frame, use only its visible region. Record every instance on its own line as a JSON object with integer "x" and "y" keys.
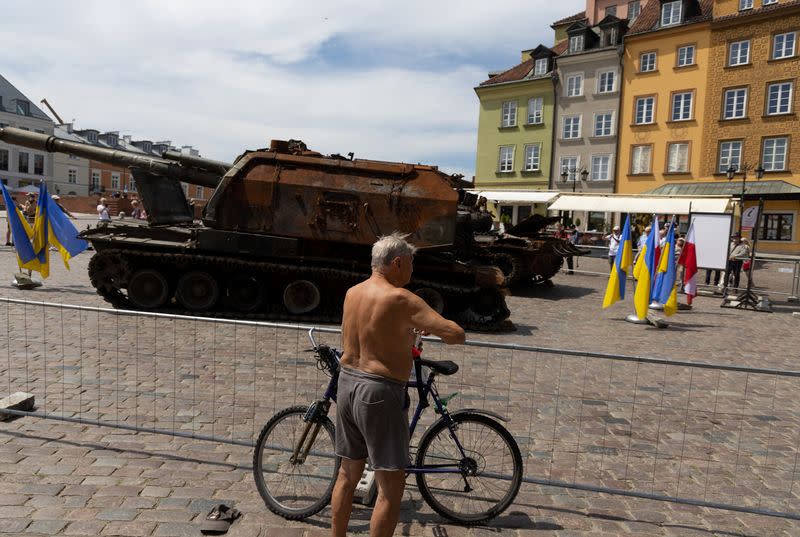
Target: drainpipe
{"x": 617, "y": 171}
{"x": 554, "y": 127}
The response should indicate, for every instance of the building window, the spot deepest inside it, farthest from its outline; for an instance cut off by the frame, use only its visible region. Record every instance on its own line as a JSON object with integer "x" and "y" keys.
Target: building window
{"x": 72, "y": 176}
{"x": 686, "y": 56}
{"x": 509, "y": 114}
{"x": 611, "y": 36}
{"x": 779, "y": 98}
{"x": 611, "y": 10}
{"x": 606, "y": 82}
{"x": 730, "y": 154}
{"x": 147, "y": 147}
{"x": 38, "y": 164}
{"x": 783, "y": 46}
{"x": 569, "y": 165}
{"x": 572, "y": 128}
{"x": 22, "y": 162}
{"x": 634, "y": 8}
{"x": 95, "y": 181}
{"x": 739, "y": 53}
{"x": 540, "y": 67}
{"x": 647, "y": 62}
{"x": 768, "y": 2}
{"x": 198, "y": 192}
{"x": 678, "y": 158}
{"x": 506, "y": 161}
{"x": 604, "y": 124}
{"x": 23, "y": 108}
{"x": 682, "y": 106}
{"x": 576, "y": 43}
{"x": 132, "y": 184}
{"x": 111, "y": 140}
{"x": 575, "y": 86}
{"x": 644, "y": 110}
{"x": 745, "y": 4}
{"x": 641, "y": 158}
{"x": 532, "y": 157}
{"x": 671, "y": 13}
{"x": 115, "y": 181}
{"x": 4, "y": 159}
{"x": 535, "y": 111}
{"x": 735, "y": 103}
{"x": 91, "y": 137}
{"x": 777, "y": 227}
{"x": 773, "y": 158}
{"x": 601, "y": 168}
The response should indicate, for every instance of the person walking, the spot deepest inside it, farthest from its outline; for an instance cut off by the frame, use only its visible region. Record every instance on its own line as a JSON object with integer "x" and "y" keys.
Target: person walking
{"x": 378, "y": 323}
{"x": 740, "y": 252}
{"x": 102, "y": 211}
{"x": 613, "y": 245}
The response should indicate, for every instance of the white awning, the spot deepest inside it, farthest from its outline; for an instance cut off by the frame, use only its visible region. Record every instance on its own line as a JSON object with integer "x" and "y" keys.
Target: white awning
{"x": 621, "y": 203}
{"x": 517, "y": 197}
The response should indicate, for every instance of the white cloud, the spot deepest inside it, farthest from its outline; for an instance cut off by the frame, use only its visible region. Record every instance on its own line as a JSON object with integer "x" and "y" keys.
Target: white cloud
{"x": 229, "y": 77}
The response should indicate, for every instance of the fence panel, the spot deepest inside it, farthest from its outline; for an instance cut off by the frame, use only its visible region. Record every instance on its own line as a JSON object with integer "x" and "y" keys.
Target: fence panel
{"x": 695, "y": 433}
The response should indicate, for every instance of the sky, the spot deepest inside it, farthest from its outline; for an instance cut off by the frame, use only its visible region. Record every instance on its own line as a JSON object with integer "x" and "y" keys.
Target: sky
{"x": 388, "y": 80}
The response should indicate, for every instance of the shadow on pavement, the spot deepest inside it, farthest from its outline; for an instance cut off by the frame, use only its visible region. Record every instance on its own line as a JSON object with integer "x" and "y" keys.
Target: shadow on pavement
{"x": 557, "y": 292}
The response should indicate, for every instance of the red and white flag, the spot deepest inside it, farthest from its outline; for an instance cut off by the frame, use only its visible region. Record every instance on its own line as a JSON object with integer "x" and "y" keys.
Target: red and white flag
{"x": 688, "y": 259}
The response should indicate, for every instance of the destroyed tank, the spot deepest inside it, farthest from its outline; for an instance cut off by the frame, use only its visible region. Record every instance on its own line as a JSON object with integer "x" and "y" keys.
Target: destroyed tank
{"x": 525, "y": 253}
{"x": 286, "y": 232}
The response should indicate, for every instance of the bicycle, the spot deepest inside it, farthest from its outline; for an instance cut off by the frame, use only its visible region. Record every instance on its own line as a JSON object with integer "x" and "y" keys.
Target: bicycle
{"x": 468, "y": 467}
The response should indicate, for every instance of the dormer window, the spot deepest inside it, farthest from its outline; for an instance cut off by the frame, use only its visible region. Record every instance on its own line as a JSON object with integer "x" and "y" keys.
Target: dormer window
{"x": 540, "y": 67}
{"x": 111, "y": 140}
{"x": 147, "y": 147}
{"x": 92, "y": 137}
{"x": 576, "y": 43}
{"x": 23, "y": 108}
{"x": 671, "y": 13}
{"x": 611, "y": 34}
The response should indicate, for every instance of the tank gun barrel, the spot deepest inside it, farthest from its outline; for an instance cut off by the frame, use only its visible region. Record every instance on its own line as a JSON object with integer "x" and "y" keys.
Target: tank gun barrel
{"x": 191, "y": 161}
{"x": 168, "y": 168}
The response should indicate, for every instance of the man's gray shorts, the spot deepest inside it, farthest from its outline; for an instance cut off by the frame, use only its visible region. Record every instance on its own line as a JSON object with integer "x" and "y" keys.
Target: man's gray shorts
{"x": 372, "y": 420}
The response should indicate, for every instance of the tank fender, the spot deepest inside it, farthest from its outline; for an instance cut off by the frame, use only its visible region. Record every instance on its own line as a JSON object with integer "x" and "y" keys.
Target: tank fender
{"x": 489, "y": 413}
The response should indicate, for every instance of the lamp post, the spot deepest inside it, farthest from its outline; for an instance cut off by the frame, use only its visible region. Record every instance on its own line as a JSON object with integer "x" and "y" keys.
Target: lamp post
{"x": 566, "y": 172}
{"x": 743, "y": 169}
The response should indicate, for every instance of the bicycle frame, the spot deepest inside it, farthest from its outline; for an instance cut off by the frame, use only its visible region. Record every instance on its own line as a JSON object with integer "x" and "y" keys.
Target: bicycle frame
{"x": 428, "y": 390}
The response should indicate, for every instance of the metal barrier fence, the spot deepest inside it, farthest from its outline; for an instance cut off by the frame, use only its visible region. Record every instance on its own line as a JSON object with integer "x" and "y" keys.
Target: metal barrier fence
{"x": 696, "y": 433}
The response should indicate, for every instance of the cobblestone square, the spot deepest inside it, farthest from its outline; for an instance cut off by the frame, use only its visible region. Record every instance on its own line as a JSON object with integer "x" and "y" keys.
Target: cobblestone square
{"x": 73, "y": 479}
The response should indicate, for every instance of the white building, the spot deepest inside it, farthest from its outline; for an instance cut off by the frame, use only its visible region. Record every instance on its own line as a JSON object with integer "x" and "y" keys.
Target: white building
{"x": 20, "y": 166}
{"x": 70, "y": 173}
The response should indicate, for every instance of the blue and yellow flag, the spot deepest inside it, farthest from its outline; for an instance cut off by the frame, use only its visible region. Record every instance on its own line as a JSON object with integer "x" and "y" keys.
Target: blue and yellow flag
{"x": 62, "y": 234}
{"x": 40, "y": 232}
{"x": 666, "y": 292}
{"x": 22, "y": 234}
{"x": 644, "y": 271}
{"x": 623, "y": 263}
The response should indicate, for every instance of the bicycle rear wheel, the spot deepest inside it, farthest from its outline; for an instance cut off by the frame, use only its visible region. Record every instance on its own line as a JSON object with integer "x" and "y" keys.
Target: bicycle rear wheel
{"x": 290, "y": 489}
{"x": 492, "y": 468}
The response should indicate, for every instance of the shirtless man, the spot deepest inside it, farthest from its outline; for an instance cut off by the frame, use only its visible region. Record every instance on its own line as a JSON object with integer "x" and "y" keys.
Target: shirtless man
{"x": 371, "y": 416}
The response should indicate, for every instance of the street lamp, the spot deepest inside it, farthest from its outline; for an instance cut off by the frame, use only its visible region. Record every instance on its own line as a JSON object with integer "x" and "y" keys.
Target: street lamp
{"x": 566, "y": 172}
{"x": 731, "y": 174}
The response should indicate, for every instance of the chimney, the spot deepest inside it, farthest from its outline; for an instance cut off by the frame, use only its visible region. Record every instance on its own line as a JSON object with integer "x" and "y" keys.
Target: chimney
{"x": 127, "y": 138}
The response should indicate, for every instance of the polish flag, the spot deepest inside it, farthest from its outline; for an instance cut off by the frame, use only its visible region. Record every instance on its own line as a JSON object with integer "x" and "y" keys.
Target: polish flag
{"x": 688, "y": 259}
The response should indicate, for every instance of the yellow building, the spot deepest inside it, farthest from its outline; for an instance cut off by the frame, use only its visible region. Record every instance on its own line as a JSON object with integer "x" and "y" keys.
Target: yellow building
{"x": 663, "y": 96}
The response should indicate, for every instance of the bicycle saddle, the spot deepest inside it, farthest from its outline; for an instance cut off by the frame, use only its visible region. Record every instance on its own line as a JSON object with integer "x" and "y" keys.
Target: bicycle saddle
{"x": 444, "y": 367}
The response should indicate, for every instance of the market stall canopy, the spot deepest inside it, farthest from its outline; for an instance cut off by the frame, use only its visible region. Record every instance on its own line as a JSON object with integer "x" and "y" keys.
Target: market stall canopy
{"x": 517, "y": 197}
{"x": 770, "y": 190}
{"x": 29, "y": 189}
{"x": 645, "y": 204}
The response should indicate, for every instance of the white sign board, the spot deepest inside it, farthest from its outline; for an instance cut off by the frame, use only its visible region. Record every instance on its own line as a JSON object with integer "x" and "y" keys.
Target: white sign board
{"x": 750, "y": 217}
{"x": 712, "y": 239}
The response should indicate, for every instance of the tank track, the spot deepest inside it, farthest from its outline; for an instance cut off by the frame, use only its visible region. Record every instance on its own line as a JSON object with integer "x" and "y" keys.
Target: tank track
{"x": 110, "y": 268}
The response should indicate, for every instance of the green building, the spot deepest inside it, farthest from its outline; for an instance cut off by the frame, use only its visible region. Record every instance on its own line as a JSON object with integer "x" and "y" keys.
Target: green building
{"x": 515, "y": 130}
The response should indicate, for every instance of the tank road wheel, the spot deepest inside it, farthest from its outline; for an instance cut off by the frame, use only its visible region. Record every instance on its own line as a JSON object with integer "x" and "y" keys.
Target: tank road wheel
{"x": 197, "y": 291}
{"x": 148, "y": 289}
{"x": 301, "y": 296}
{"x": 108, "y": 272}
{"x": 432, "y": 298}
{"x": 245, "y": 293}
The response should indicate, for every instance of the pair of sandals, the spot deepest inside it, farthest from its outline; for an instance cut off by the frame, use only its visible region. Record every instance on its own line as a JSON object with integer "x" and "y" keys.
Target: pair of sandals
{"x": 219, "y": 520}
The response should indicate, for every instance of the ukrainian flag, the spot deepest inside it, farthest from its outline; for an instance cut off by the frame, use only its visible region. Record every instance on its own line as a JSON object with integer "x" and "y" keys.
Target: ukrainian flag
{"x": 40, "y": 232}
{"x": 667, "y": 292}
{"x": 62, "y": 235}
{"x": 21, "y": 232}
{"x": 615, "y": 290}
{"x": 644, "y": 271}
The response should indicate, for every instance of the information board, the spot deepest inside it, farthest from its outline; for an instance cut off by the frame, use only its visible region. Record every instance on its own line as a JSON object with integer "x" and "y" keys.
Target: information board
{"x": 712, "y": 233}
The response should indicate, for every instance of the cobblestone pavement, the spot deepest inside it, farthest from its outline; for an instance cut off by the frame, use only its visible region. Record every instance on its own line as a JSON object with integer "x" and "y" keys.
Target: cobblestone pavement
{"x": 71, "y": 479}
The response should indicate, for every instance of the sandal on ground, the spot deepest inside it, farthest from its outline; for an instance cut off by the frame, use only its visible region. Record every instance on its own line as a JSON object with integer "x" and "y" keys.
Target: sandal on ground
{"x": 219, "y": 520}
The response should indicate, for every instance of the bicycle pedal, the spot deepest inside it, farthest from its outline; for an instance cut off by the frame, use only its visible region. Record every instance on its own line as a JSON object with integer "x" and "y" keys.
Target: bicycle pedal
{"x": 367, "y": 488}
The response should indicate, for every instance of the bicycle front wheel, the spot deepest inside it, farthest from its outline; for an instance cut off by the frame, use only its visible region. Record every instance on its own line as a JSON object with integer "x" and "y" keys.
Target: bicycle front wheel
{"x": 490, "y": 469}
{"x": 295, "y": 488}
